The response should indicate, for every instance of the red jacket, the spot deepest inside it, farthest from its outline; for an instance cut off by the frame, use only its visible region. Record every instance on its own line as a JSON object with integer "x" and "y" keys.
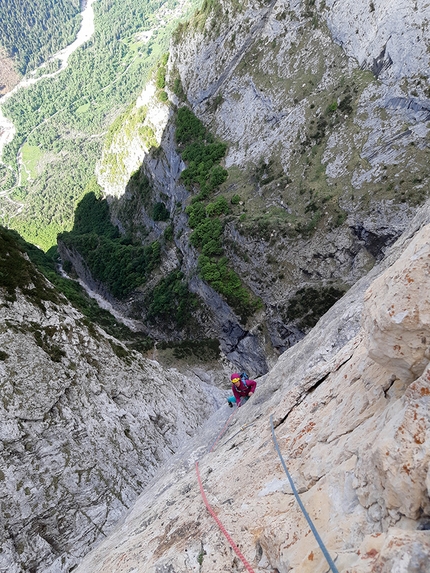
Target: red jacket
{"x": 243, "y": 389}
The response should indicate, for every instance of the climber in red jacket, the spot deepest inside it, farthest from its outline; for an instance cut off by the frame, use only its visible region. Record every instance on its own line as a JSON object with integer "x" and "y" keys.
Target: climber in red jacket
{"x": 242, "y": 387}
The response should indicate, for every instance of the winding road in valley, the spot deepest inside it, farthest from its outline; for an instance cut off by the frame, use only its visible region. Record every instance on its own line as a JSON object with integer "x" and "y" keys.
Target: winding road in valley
{"x": 7, "y": 128}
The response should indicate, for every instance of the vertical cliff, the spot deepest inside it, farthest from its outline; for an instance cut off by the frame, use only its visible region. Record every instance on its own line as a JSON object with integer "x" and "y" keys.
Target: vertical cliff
{"x": 350, "y": 407}
{"x": 84, "y": 422}
{"x": 324, "y": 110}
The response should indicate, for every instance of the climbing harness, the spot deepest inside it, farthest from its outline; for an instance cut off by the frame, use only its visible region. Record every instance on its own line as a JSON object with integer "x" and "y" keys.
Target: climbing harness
{"x": 220, "y": 525}
{"x": 302, "y": 507}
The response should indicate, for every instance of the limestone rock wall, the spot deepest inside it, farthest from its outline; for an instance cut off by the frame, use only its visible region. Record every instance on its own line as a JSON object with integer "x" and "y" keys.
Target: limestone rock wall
{"x": 353, "y": 429}
{"x": 324, "y": 107}
{"x": 84, "y": 424}
{"x": 388, "y": 37}
{"x": 124, "y": 152}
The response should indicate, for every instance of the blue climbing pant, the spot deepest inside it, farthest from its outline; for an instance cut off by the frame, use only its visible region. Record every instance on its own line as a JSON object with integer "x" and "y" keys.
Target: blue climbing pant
{"x": 232, "y": 400}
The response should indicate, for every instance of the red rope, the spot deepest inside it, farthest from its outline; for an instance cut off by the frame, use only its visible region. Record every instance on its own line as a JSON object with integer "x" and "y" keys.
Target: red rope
{"x": 223, "y": 430}
{"x": 220, "y": 525}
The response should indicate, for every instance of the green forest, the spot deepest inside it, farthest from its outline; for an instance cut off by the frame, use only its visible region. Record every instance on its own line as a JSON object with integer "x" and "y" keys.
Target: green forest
{"x": 202, "y": 177}
{"x": 31, "y": 31}
{"x": 61, "y": 122}
{"x": 113, "y": 260}
{"x": 122, "y": 265}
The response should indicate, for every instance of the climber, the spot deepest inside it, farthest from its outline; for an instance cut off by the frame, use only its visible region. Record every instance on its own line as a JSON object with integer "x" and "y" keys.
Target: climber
{"x": 243, "y": 389}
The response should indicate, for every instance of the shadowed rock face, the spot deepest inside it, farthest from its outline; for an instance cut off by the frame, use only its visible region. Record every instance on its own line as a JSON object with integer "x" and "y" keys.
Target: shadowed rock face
{"x": 354, "y": 432}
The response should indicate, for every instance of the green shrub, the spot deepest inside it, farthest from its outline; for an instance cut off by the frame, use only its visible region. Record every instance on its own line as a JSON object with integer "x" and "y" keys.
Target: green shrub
{"x": 332, "y": 107}
{"x": 196, "y": 213}
{"x": 171, "y": 300}
{"x": 188, "y": 127}
{"x": 92, "y": 216}
{"x": 226, "y": 281}
{"x": 309, "y": 304}
{"x": 207, "y": 230}
{"x": 178, "y": 90}
{"x": 201, "y": 153}
{"x": 203, "y": 350}
{"x": 217, "y": 176}
{"x": 160, "y": 212}
{"x": 168, "y": 233}
{"x": 212, "y": 248}
{"x": 218, "y": 207}
{"x": 160, "y": 81}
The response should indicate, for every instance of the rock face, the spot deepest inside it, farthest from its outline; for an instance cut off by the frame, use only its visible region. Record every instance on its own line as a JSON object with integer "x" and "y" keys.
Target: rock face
{"x": 398, "y": 317}
{"x": 330, "y": 163}
{"x": 324, "y": 108}
{"x": 386, "y": 37}
{"x": 84, "y": 424}
{"x": 353, "y": 427}
{"x": 129, "y": 146}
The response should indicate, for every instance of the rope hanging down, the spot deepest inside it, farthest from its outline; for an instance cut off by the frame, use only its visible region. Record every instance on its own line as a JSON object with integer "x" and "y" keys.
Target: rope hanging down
{"x": 220, "y": 525}
{"x": 302, "y": 507}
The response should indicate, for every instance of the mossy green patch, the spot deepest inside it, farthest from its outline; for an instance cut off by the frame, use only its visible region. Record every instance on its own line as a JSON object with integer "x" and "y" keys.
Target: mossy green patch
{"x": 17, "y": 272}
{"x": 309, "y": 304}
{"x": 205, "y": 175}
{"x": 31, "y": 155}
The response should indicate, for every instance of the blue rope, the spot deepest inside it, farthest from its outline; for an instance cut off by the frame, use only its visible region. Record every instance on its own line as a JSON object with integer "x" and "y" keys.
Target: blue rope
{"x": 302, "y": 507}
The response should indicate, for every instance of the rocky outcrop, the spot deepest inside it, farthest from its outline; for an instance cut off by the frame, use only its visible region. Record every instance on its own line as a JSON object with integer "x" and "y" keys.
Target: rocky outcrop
{"x": 128, "y": 145}
{"x": 84, "y": 425}
{"x": 350, "y": 407}
{"x": 388, "y": 37}
{"x": 397, "y": 321}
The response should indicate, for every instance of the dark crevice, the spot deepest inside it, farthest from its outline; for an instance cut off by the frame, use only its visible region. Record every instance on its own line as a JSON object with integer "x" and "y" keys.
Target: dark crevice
{"x": 282, "y": 420}
{"x": 310, "y": 390}
{"x": 373, "y": 242}
{"x": 338, "y": 436}
{"x": 387, "y": 390}
{"x": 318, "y": 383}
